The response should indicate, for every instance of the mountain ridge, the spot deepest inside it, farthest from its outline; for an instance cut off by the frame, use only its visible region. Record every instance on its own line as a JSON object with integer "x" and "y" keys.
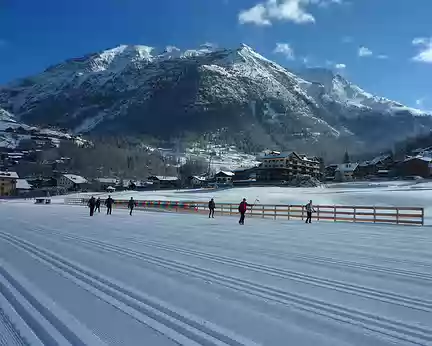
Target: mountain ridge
{"x": 133, "y": 89}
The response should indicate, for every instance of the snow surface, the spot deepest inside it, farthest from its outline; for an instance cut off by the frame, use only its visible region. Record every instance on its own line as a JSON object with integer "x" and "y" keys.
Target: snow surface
{"x": 169, "y": 279}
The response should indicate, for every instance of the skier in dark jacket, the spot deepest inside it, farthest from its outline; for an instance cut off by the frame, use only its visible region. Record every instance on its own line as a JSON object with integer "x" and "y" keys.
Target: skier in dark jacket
{"x": 91, "y": 204}
{"x": 309, "y": 210}
{"x": 242, "y": 209}
{"x": 98, "y": 203}
{"x": 109, "y": 203}
{"x": 131, "y": 205}
{"x": 212, "y": 207}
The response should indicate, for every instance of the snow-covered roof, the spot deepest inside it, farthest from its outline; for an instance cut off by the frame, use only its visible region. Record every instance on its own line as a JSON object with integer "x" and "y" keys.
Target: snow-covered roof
{"x": 160, "y": 177}
{"x": 378, "y": 159}
{"x": 76, "y": 179}
{"x": 230, "y": 174}
{"x": 199, "y": 178}
{"x": 10, "y": 175}
{"x": 23, "y": 184}
{"x": 107, "y": 180}
{"x": 347, "y": 167}
{"x": 277, "y": 155}
{"x": 423, "y": 158}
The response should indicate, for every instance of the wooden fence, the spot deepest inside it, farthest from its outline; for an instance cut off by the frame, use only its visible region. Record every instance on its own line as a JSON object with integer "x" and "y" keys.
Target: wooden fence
{"x": 366, "y": 214}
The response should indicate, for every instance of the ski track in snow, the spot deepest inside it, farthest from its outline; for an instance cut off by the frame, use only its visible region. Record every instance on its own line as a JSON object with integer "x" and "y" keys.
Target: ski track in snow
{"x": 178, "y": 279}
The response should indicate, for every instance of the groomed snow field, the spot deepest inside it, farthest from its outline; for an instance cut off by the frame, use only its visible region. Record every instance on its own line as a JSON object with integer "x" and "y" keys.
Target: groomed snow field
{"x": 182, "y": 279}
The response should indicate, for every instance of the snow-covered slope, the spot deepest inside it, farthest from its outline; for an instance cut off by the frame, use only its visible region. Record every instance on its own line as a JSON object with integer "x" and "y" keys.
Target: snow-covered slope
{"x": 337, "y": 88}
{"x": 12, "y": 132}
{"x": 167, "y": 92}
{"x": 169, "y": 279}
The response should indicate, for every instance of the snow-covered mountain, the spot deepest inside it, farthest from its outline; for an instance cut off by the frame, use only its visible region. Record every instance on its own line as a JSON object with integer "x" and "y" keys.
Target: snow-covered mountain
{"x": 237, "y": 92}
{"x": 332, "y": 87}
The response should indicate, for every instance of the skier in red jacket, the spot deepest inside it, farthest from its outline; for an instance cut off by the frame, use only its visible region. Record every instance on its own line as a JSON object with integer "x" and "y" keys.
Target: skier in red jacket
{"x": 242, "y": 209}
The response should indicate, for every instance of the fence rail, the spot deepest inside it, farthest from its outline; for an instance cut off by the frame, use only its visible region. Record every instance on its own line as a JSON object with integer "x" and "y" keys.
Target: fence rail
{"x": 366, "y": 214}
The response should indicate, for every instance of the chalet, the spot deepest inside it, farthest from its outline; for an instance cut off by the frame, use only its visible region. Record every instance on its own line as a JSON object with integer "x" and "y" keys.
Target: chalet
{"x": 23, "y": 187}
{"x": 164, "y": 182}
{"x": 346, "y": 171}
{"x": 224, "y": 177}
{"x": 245, "y": 174}
{"x": 196, "y": 181}
{"x": 72, "y": 182}
{"x": 415, "y": 166}
{"x": 102, "y": 184}
{"x": 8, "y": 181}
{"x": 379, "y": 163}
{"x": 276, "y": 166}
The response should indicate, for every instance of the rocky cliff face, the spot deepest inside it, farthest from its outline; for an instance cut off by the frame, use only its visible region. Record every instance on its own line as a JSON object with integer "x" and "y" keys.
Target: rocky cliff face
{"x": 138, "y": 90}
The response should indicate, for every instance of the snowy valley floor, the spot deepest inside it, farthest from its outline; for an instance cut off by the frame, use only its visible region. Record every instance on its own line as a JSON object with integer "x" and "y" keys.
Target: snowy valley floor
{"x": 169, "y": 279}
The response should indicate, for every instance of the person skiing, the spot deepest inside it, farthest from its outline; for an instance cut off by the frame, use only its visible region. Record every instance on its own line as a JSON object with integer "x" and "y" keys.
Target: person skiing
{"x": 109, "y": 203}
{"x": 212, "y": 207}
{"x": 91, "y": 204}
{"x": 131, "y": 205}
{"x": 98, "y": 203}
{"x": 242, "y": 209}
{"x": 309, "y": 210}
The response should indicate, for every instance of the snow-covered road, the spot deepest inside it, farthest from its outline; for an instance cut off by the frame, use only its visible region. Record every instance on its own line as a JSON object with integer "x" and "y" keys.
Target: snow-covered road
{"x": 169, "y": 279}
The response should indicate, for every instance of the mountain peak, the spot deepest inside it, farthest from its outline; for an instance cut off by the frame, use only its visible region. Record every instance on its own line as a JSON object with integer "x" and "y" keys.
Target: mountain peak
{"x": 135, "y": 89}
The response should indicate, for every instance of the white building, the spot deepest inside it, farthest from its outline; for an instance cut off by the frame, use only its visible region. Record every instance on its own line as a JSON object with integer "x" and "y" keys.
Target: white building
{"x": 72, "y": 181}
{"x": 346, "y": 171}
{"x": 224, "y": 177}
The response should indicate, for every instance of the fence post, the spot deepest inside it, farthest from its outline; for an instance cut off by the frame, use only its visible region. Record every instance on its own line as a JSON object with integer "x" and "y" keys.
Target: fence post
{"x": 221, "y": 209}
{"x": 422, "y": 216}
{"x": 302, "y": 212}
{"x": 230, "y": 209}
{"x": 374, "y": 212}
{"x": 397, "y": 216}
{"x": 263, "y": 212}
{"x": 289, "y": 211}
{"x": 334, "y": 213}
{"x": 355, "y": 216}
{"x": 318, "y": 210}
{"x": 275, "y": 212}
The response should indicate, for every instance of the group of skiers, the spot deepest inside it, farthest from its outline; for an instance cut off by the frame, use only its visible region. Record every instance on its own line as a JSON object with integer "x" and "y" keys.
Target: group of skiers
{"x": 94, "y": 205}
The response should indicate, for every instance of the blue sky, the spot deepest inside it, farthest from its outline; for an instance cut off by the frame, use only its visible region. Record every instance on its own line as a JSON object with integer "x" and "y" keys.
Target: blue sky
{"x": 385, "y": 46}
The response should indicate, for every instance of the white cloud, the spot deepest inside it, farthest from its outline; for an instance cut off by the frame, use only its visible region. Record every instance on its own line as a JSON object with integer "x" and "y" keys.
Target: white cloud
{"x": 285, "y": 49}
{"x": 255, "y": 15}
{"x": 289, "y": 10}
{"x": 340, "y": 66}
{"x": 364, "y": 51}
{"x": 425, "y": 53}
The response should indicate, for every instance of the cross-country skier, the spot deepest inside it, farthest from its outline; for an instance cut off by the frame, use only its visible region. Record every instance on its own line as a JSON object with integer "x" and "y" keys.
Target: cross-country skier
{"x": 91, "y": 204}
{"x": 98, "y": 203}
{"x": 131, "y": 205}
{"x": 109, "y": 203}
{"x": 212, "y": 207}
{"x": 309, "y": 210}
{"x": 242, "y": 209}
